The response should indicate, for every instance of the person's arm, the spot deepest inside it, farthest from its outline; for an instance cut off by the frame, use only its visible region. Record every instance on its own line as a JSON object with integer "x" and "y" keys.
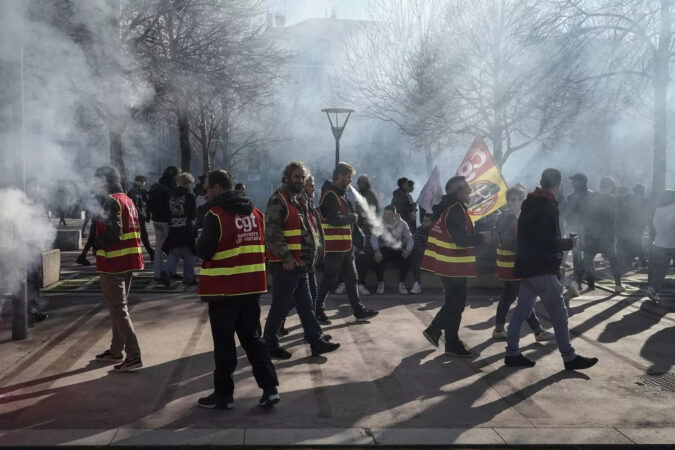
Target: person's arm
{"x": 456, "y": 226}
{"x": 330, "y": 210}
{"x": 407, "y": 238}
{"x": 112, "y": 225}
{"x": 275, "y": 216}
{"x": 207, "y": 243}
{"x": 375, "y": 242}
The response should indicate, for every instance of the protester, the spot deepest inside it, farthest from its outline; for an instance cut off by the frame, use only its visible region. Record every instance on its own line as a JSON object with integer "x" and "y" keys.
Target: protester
{"x": 638, "y": 211}
{"x": 337, "y": 219}
{"x": 538, "y": 258}
{"x": 575, "y": 212}
{"x": 292, "y": 240}
{"x": 404, "y": 203}
{"x": 118, "y": 254}
{"x": 420, "y": 237}
{"x": 160, "y": 212}
{"x": 139, "y": 195}
{"x": 180, "y": 243}
{"x": 232, "y": 245}
{"x": 366, "y": 190}
{"x": 663, "y": 247}
{"x": 450, "y": 254}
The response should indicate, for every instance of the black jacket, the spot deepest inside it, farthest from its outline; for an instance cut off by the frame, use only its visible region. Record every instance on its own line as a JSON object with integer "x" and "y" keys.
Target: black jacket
{"x": 237, "y": 202}
{"x": 456, "y": 222}
{"x": 600, "y": 218}
{"x": 405, "y": 206}
{"x": 182, "y": 230}
{"x": 159, "y": 196}
{"x": 140, "y": 198}
{"x": 540, "y": 244}
{"x": 330, "y": 206}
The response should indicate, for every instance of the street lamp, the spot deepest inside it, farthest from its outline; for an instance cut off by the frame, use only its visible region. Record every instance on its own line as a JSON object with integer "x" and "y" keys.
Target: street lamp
{"x": 336, "y": 128}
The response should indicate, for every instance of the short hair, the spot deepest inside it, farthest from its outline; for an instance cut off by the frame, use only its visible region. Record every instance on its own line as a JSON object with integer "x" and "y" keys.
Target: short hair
{"x": 550, "y": 178}
{"x": 401, "y": 181}
{"x": 185, "y": 179}
{"x": 639, "y": 188}
{"x": 390, "y": 208}
{"x": 453, "y": 183}
{"x": 344, "y": 169}
{"x": 516, "y": 191}
{"x": 309, "y": 180}
{"x": 240, "y": 187}
{"x": 292, "y": 167}
{"x": 140, "y": 178}
{"x": 607, "y": 182}
{"x": 110, "y": 175}
{"x": 220, "y": 177}
{"x": 171, "y": 172}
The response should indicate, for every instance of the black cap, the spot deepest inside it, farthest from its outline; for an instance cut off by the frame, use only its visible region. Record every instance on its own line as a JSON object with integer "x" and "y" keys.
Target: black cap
{"x": 579, "y": 177}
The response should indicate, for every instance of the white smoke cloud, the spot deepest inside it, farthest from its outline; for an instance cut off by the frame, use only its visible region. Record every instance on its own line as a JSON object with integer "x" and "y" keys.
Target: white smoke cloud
{"x": 370, "y": 214}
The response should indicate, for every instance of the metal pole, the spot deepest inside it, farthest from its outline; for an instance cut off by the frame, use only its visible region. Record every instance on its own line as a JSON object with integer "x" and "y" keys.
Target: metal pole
{"x": 337, "y": 152}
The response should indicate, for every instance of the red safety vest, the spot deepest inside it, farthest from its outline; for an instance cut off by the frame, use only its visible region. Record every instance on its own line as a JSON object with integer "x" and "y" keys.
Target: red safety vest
{"x": 445, "y": 258}
{"x": 506, "y": 259}
{"x": 291, "y": 229}
{"x": 338, "y": 238}
{"x": 238, "y": 266}
{"x": 125, "y": 255}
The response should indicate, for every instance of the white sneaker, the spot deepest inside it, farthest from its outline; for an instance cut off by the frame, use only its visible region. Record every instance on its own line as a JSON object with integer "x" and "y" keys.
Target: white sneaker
{"x": 416, "y": 289}
{"x": 618, "y": 289}
{"x": 402, "y": 289}
{"x": 363, "y": 290}
{"x": 380, "y": 287}
{"x": 651, "y": 293}
{"x": 544, "y": 335}
{"x": 501, "y": 334}
{"x": 573, "y": 289}
{"x": 340, "y": 289}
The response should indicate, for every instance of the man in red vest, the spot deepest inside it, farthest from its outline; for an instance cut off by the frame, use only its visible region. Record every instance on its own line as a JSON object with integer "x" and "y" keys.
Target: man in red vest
{"x": 117, "y": 240}
{"x": 450, "y": 253}
{"x": 337, "y": 219}
{"x": 233, "y": 276}
{"x": 293, "y": 245}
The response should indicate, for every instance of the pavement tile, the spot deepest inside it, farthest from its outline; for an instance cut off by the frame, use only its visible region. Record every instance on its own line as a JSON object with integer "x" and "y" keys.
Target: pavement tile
{"x": 562, "y": 436}
{"x": 184, "y": 436}
{"x": 307, "y": 436}
{"x": 647, "y": 436}
{"x": 55, "y": 437}
{"x": 437, "y": 436}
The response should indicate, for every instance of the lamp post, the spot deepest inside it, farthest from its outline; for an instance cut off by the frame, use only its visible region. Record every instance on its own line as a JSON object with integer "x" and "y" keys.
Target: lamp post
{"x": 336, "y": 128}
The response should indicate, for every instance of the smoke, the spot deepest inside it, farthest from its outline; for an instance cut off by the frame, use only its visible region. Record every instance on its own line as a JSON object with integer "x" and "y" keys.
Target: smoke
{"x": 378, "y": 227}
{"x": 25, "y": 231}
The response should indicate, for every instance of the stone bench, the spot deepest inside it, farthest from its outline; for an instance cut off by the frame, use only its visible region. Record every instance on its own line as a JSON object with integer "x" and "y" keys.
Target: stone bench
{"x": 51, "y": 267}
{"x": 68, "y": 240}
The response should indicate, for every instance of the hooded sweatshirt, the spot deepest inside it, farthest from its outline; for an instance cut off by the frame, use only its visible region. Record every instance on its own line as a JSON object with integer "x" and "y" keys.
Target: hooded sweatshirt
{"x": 236, "y": 202}
{"x": 396, "y": 235}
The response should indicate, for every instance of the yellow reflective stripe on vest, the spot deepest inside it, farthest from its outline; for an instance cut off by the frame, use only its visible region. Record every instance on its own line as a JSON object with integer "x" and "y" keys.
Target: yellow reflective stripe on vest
{"x": 507, "y": 264}
{"x": 132, "y": 235}
{"x": 505, "y": 252}
{"x": 443, "y": 244}
{"x": 116, "y": 253}
{"x": 291, "y": 232}
{"x": 218, "y": 271}
{"x": 450, "y": 259}
{"x": 238, "y": 251}
{"x": 335, "y": 227}
{"x": 293, "y": 246}
{"x": 337, "y": 237}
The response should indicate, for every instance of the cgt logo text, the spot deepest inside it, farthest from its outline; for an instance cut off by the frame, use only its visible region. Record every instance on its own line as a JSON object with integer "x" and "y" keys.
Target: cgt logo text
{"x": 246, "y": 223}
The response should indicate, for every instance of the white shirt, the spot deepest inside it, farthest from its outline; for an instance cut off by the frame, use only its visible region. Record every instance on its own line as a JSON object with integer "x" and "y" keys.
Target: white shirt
{"x": 664, "y": 224}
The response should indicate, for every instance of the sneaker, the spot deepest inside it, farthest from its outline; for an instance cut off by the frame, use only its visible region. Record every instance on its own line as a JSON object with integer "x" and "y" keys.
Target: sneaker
{"x": 618, "y": 289}
{"x": 340, "y": 289}
{"x": 432, "y": 337}
{"x": 518, "y": 361}
{"x": 322, "y": 318}
{"x": 573, "y": 289}
{"x": 402, "y": 289}
{"x": 380, "y": 287}
{"x": 499, "y": 334}
{"x": 543, "y": 335}
{"x": 591, "y": 285}
{"x": 363, "y": 290}
{"x": 166, "y": 280}
{"x": 214, "y": 401}
{"x": 108, "y": 356}
{"x": 458, "y": 349}
{"x": 322, "y": 346}
{"x": 270, "y": 397}
{"x": 365, "y": 314}
{"x": 82, "y": 260}
{"x": 129, "y": 364}
{"x": 416, "y": 289}
{"x": 280, "y": 353}
{"x": 580, "y": 363}
{"x": 651, "y": 293}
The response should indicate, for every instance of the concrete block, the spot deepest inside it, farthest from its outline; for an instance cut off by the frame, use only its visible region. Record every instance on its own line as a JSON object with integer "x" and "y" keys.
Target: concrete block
{"x": 56, "y": 437}
{"x": 51, "y": 267}
{"x": 562, "y": 436}
{"x": 183, "y": 436}
{"x": 650, "y": 436}
{"x": 307, "y": 436}
{"x": 437, "y": 436}
{"x": 68, "y": 240}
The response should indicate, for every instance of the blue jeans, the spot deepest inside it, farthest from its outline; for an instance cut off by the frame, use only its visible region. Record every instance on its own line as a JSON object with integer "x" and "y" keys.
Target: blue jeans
{"x": 509, "y": 295}
{"x": 549, "y": 289}
{"x": 290, "y": 287}
{"x": 188, "y": 263}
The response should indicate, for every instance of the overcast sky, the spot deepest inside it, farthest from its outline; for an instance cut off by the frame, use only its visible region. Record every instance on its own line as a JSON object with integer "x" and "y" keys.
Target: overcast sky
{"x": 299, "y": 10}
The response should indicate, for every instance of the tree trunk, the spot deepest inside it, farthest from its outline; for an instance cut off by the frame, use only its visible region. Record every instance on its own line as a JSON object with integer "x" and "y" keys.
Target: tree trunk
{"x": 117, "y": 149}
{"x": 184, "y": 140}
{"x": 661, "y": 80}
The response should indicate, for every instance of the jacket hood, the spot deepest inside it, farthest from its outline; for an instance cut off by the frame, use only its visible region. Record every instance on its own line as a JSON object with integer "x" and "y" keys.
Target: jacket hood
{"x": 445, "y": 202}
{"x": 236, "y": 202}
{"x": 329, "y": 185}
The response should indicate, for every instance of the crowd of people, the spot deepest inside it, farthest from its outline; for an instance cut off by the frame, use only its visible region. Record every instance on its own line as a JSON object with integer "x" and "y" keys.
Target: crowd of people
{"x": 239, "y": 246}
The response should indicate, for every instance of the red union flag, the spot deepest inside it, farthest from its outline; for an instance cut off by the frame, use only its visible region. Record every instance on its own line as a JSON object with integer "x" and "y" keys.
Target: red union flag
{"x": 488, "y": 188}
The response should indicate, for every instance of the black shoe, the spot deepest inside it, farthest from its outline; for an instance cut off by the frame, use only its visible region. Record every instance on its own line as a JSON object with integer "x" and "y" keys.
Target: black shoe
{"x": 166, "y": 280}
{"x": 175, "y": 276}
{"x": 322, "y": 318}
{"x": 458, "y": 349}
{"x": 580, "y": 363}
{"x": 82, "y": 260}
{"x": 269, "y": 397}
{"x": 518, "y": 361}
{"x": 129, "y": 364}
{"x": 38, "y": 316}
{"x": 283, "y": 331}
{"x": 280, "y": 353}
{"x": 108, "y": 356}
{"x": 365, "y": 314}
{"x": 322, "y": 346}
{"x": 432, "y": 337}
{"x": 214, "y": 401}
{"x": 591, "y": 285}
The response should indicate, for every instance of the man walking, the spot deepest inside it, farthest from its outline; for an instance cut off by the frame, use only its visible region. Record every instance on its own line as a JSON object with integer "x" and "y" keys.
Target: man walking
{"x": 337, "y": 219}
{"x": 292, "y": 239}
{"x": 232, "y": 245}
{"x": 450, "y": 254}
{"x": 139, "y": 195}
{"x": 538, "y": 258}
{"x": 118, "y": 254}
{"x": 575, "y": 210}
{"x": 160, "y": 210}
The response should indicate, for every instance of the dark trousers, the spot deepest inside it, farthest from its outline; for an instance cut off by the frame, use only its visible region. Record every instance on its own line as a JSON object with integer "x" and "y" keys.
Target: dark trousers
{"x": 395, "y": 256}
{"x": 509, "y": 295}
{"x": 240, "y": 314}
{"x": 606, "y": 248}
{"x": 415, "y": 263}
{"x": 336, "y": 266}
{"x": 144, "y": 236}
{"x": 450, "y": 315}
